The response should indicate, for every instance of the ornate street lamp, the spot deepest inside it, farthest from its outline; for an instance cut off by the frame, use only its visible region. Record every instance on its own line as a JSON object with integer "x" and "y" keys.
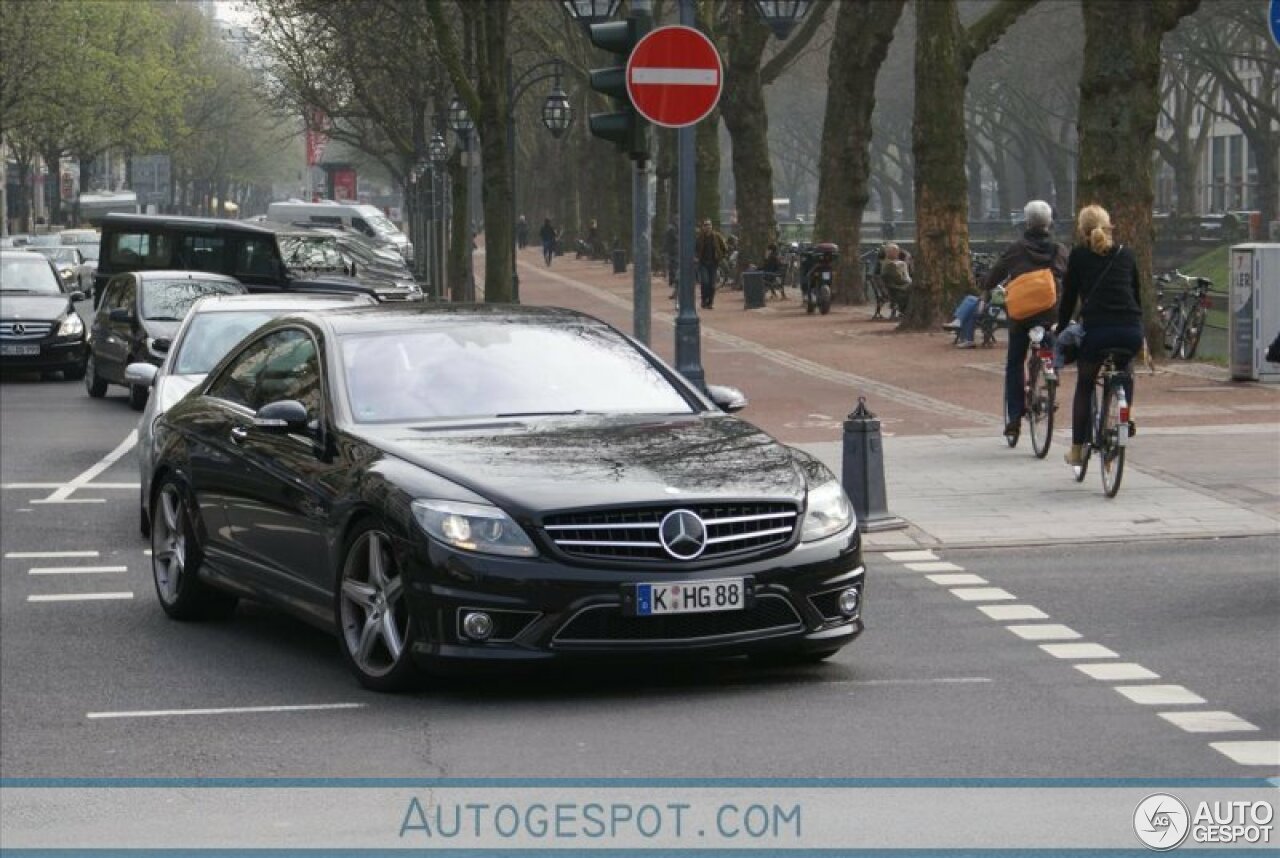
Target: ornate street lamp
{"x": 437, "y": 149}
{"x": 459, "y": 119}
{"x": 557, "y": 112}
{"x": 588, "y": 12}
{"x": 782, "y": 15}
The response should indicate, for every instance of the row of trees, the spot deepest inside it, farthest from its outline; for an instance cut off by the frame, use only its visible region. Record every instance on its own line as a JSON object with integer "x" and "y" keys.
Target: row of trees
{"x": 81, "y": 78}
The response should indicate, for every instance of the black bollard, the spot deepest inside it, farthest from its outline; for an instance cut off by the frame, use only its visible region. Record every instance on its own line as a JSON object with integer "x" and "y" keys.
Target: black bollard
{"x": 863, "y": 471}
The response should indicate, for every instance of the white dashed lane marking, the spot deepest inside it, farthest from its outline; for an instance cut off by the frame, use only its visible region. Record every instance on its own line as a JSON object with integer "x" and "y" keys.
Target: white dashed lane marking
{"x": 1160, "y": 695}
{"x": 1116, "y": 671}
{"x": 1208, "y": 722}
{"x": 47, "y": 555}
{"x": 909, "y": 556}
{"x": 1045, "y": 632}
{"x": 1078, "y": 650}
{"x": 1013, "y": 612}
{"x": 956, "y": 580}
{"x": 934, "y": 566}
{"x": 983, "y": 594}
{"x": 75, "y": 570}
{"x": 79, "y": 597}
{"x": 1249, "y": 753}
{"x": 232, "y": 710}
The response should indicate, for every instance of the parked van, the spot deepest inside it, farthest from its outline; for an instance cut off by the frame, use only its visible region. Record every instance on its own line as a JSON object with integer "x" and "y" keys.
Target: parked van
{"x": 367, "y": 220}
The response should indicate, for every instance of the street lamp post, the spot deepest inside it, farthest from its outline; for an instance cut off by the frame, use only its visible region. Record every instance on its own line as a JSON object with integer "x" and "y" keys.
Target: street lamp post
{"x": 782, "y": 15}
{"x": 461, "y": 123}
{"x": 557, "y": 116}
{"x": 438, "y": 154}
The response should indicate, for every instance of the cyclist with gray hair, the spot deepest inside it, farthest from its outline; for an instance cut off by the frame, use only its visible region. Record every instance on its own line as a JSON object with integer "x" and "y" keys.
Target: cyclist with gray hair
{"x": 1033, "y": 251}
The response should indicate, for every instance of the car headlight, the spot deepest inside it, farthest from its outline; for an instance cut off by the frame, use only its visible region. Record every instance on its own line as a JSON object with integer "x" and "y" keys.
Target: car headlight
{"x": 829, "y": 512}
{"x": 473, "y": 527}
{"x": 71, "y": 326}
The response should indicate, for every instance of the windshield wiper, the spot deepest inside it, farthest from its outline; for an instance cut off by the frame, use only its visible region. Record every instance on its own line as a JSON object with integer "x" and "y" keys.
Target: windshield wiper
{"x": 26, "y": 291}
{"x": 573, "y": 413}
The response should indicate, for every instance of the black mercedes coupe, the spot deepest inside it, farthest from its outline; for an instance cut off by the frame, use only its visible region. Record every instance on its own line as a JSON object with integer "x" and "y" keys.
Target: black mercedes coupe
{"x": 453, "y": 486}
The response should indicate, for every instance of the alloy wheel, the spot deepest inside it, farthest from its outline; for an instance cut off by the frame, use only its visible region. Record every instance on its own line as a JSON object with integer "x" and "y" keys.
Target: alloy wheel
{"x": 169, "y": 544}
{"x": 372, "y": 609}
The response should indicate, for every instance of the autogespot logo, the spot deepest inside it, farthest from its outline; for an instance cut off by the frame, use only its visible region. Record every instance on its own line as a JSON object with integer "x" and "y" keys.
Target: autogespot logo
{"x": 1161, "y": 822}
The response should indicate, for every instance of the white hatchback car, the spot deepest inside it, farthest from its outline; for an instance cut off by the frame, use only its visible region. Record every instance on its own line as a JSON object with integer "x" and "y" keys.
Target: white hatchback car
{"x": 211, "y": 329}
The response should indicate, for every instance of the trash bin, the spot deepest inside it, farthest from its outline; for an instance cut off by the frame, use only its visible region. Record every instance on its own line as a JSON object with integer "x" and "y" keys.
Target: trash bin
{"x": 752, "y": 290}
{"x": 619, "y": 261}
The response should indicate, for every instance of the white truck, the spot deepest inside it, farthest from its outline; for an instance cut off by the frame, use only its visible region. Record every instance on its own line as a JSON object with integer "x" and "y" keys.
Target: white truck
{"x": 367, "y": 220}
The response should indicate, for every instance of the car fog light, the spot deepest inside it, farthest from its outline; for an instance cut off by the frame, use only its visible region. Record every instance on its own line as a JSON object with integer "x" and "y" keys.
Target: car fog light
{"x": 478, "y": 625}
{"x": 848, "y": 602}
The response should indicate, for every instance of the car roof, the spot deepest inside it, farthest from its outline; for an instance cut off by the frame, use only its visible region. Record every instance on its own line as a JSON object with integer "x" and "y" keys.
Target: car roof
{"x": 21, "y": 254}
{"x": 278, "y": 301}
{"x": 181, "y": 274}
{"x": 115, "y": 219}
{"x": 398, "y": 317}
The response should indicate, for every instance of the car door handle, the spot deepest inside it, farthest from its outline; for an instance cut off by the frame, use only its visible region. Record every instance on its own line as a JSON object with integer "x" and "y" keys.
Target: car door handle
{"x": 239, "y": 433}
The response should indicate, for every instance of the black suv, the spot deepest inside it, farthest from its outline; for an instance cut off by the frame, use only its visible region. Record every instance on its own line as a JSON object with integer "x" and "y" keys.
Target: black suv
{"x": 249, "y": 252}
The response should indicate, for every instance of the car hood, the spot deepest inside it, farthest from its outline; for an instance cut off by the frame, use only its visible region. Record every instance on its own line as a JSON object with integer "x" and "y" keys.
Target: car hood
{"x": 37, "y": 308}
{"x": 541, "y": 465}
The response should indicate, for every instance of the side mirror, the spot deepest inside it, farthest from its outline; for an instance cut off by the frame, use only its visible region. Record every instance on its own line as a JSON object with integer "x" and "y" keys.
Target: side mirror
{"x": 121, "y": 314}
{"x": 141, "y": 374}
{"x": 284, "y": 415}
{"x": 77, "y": 296}
{"x": 728, "y": 399}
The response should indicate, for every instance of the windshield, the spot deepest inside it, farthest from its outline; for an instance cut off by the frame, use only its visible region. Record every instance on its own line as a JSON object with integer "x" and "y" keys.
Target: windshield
{"x": 381, "y": 224}
{"x": 88, "y": 251}
{"x": 488, "y": 369}
{"x": 57, "y": 254}
{"x": 169, "y": 300}
{"x": 311, "y": 252}
{"x": 31, "y": 274}
{"x": 211, "y": 335}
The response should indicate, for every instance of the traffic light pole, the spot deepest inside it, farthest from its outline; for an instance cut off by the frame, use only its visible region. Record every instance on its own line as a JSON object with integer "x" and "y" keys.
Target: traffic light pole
{"x": 688, "y": 328}
{"x": 641, "y": 229}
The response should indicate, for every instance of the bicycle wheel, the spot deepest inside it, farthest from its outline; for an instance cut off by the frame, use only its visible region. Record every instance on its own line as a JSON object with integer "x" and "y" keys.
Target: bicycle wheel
{"x": 1040, "y": 409}
{"x": 1111, "y": 451}
{"x": 1173, "y": 330}
{"x": 1191, "y": 332}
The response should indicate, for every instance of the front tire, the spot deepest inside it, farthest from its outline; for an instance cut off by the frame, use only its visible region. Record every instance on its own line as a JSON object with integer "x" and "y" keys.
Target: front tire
{"x": 824, "y": 299}
{"x": 95, "y": 384}
{"x": 374, "y": 627}
{"x": 176, "y": 558}
{"x": 138, "y": 397}
{"x": 1191, "y": 332}
{"x": 1111, "y": 456}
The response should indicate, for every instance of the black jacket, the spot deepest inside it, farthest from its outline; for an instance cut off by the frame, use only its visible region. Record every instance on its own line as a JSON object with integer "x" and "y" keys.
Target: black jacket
{"x": 1035, "y": 250}
{"x": 1106, "y": 286}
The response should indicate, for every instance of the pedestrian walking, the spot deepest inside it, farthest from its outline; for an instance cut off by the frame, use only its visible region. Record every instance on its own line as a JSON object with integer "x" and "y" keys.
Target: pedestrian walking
{"x": 548, "y": 235}
{"x": 1103, "y": 278}
{"x": 672, "y": 250}
{"x": 522, "y": 233}
{"x": 709, "y": 250}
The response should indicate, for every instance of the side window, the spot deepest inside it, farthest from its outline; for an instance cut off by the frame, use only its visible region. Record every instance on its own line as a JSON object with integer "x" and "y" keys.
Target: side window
{"x": 282, "y": 365}
{"x": 139, "y": 250}
{"x": 360, "y": 224}
{"x": 200, "y": 253}
{"x": 255, "y": 257}
{"x": 111, "y": 295}
{"x": 327, "y": 220}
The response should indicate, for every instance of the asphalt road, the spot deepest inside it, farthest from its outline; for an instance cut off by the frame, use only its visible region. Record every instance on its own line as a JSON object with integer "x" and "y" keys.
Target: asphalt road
{"x": 935, "y": 688}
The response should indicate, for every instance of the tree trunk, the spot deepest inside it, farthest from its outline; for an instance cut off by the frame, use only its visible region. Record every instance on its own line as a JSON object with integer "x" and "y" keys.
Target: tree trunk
{"x": 974, "y": 176}
{"x": 1265, "y": 144}
{"x": 53, "y": 161}
{"x": 742, "y": 106}
{"x": 707, "y": 156}
{"x": 459, "y": 237}
{"x": 945, "y": 52}
{"x": 1119, "y": 104}
{"x": 863, "y": 32}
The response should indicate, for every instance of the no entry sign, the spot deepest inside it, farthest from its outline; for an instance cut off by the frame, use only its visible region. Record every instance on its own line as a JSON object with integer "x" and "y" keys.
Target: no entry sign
{"x": 674, "y": 76}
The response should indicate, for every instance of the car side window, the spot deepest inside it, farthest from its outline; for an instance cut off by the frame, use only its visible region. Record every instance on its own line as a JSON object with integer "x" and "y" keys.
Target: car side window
{"x": 114, "y": 296}
{"x": 137, "y": 250}
{"x": 201, "y": 253}
{"x": 255, "y": 257}
{"x": 281, "y": 365}
{"x": 360, "y": 224}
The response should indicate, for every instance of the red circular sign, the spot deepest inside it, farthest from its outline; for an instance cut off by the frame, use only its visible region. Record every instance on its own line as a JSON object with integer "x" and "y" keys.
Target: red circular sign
{"x": 674, "y": 76}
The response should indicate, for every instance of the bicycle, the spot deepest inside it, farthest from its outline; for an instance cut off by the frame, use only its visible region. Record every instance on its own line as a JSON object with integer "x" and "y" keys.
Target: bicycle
{"x": 1184, "y": 319}
{"x": 1040, "y": 390}
{"x": 1109, "y": 423}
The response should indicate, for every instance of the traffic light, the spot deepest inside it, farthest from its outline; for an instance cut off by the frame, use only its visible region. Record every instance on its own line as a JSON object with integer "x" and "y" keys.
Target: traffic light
{"x": 624, "y": 128}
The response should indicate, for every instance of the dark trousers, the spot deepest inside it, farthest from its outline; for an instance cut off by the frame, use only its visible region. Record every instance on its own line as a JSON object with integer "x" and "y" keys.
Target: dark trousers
{"x": 1097, "y": 339}
{"x": 707, "y": 280}
{"x": 1015, "y": 365}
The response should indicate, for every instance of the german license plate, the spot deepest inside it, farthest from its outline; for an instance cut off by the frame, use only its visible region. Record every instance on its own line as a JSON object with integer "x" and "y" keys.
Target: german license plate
{"x": 18, "y": 351}
{"x": 694, "y": 597}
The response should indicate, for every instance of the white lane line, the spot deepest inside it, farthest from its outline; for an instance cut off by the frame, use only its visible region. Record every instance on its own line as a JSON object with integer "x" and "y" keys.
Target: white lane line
{"x": 1208, "y": 722}
{"x": 1116, "y": 671}
{"x": 1013, "y": 612}
{"x": 1249, "y": 753}
{"x": 1160, "y": 695}
{"x": 1078, "y": 650}
{"x": 956, "y": 580}
{"x": 75, "y": 570}
{"x": 909, "y": 556}
{"x": 232, "y": 710}
{"x": 1044, "y": 632}
{"x": 79, "y": 597}
{"x": 939, "y": 566}
{"x": 109, "y": 486}
{"x": 983, "y": 594}
{"x": 69, "y": 500}
{"x": 943, "y": 680}
{"x": 146, "y": 551}
{"x": 62, "y": 494}
{"x": 47, "y": 555}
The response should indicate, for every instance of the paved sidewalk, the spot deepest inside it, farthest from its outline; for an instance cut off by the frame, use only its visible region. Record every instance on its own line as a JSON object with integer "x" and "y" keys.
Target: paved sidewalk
{"x": 1205, "y": 463}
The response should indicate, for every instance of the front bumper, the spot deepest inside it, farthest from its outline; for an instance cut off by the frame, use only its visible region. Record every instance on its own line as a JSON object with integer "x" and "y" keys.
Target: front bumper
{"x": 52, "y": 353}
{"x": 545, "y": 610}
